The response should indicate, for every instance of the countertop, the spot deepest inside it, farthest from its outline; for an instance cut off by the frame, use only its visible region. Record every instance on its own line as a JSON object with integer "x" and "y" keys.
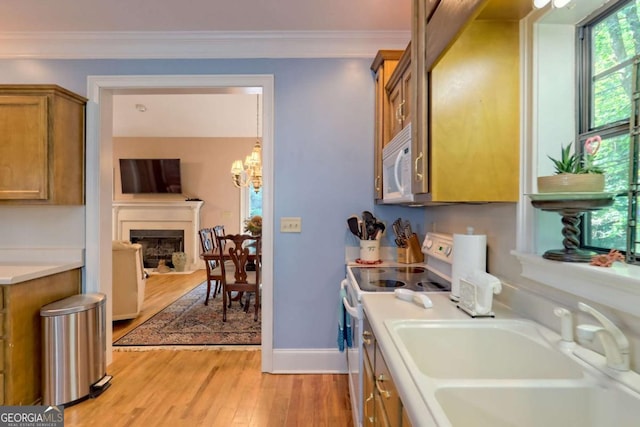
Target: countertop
{"x": 380, "y": 307}
{"x": 20, "y": 265}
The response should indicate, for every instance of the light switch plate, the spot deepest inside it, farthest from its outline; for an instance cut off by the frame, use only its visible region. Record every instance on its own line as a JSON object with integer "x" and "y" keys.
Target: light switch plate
{"x": 290, "y": 224}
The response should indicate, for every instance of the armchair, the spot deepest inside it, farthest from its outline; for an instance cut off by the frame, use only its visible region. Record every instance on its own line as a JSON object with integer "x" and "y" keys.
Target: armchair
{"x": 129, "y": 279}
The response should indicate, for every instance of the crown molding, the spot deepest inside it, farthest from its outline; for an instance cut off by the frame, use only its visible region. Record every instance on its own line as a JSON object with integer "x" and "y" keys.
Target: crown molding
{"x": 199, "y": 44}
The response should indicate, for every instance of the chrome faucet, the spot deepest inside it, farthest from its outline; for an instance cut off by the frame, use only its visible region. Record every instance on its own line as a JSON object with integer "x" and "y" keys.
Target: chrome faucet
{"x": 615, "y": 344}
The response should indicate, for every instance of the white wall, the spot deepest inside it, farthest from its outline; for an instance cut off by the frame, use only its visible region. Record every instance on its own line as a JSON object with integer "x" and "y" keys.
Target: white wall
{"x": 25, "y": 227}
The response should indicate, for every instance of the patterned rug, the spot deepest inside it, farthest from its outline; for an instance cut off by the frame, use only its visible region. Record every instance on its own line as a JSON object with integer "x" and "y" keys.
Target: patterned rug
{"x": 187, "y": 321}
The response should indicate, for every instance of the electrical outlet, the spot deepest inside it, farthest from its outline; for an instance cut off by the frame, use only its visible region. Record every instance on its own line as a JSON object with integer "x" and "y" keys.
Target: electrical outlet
{"x": 291, "y": 224}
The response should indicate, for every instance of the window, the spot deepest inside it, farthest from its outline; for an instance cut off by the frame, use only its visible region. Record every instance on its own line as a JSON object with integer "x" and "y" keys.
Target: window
{"x": 609, "y": 49}
{"x": 250, "y": 204}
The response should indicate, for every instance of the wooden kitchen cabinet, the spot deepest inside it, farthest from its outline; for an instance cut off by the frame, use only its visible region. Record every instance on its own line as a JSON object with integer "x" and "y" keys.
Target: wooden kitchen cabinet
{"x": 399, "y": 92}
{"x": 405, "y": 418}
{"x": 475, "y": 116}
{"x": 21, "y": 355}
{"x": 383, "y": 66}
{"x": 368, "y": 386}
{"x": 382, "y": 404}
{"x": 390, "y": 407}
{"x": 42, "y": 149}
{"x": 368, "y": 393}
{"x": 463, "y": 66}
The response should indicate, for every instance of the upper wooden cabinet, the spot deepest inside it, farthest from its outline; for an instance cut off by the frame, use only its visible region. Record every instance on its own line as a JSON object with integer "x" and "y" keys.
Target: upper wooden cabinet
{"x": 399, "y": 92}
{"x": 42, "y": 150}
{"x": 475, "y": 116}
{"x": 383, "y": 66}
{"x": 458, "y": 82}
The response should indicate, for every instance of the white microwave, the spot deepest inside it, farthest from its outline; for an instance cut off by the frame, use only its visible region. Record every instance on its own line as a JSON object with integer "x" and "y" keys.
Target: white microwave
{"x": 396, "y": 169}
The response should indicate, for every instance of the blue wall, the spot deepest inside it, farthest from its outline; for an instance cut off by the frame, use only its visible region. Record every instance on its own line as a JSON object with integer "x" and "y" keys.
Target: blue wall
{"x": 323, "y": 160}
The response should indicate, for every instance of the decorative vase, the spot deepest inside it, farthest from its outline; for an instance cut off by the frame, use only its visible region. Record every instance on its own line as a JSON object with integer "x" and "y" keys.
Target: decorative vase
{"x": 179, "y": 260}
{"x": 571, "y": 183}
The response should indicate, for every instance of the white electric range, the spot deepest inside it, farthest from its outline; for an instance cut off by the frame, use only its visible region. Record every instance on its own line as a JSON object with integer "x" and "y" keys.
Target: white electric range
{"x": 434, "y": 275}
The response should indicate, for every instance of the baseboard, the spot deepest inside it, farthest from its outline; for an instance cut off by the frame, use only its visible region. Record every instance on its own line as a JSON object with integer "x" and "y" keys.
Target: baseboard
{"x": 309, "y": 361}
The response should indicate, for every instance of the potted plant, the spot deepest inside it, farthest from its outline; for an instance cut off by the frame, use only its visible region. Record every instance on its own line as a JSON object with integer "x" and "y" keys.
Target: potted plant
{"x": 573, "y": 172}
{"x": 253, "y": 225}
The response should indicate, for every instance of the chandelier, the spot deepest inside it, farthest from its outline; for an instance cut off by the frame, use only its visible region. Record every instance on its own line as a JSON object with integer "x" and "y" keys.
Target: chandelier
{"x": 249, "y": 173}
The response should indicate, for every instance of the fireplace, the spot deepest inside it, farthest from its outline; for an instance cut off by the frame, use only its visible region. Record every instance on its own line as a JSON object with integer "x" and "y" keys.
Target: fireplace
{"x": 157, "y": 245}
{"x": 161, "y": 216}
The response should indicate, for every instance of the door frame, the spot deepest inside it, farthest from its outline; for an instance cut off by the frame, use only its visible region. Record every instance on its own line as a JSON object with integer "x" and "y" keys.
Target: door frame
{"x": 97, "y": 274}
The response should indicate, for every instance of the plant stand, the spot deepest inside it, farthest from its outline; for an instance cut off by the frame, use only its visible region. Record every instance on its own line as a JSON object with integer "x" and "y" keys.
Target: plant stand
{"x": 571, "y": 207}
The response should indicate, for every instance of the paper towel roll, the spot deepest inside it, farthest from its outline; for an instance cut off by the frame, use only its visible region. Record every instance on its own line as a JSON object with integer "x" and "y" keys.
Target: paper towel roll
{"x": 469, "y": 254}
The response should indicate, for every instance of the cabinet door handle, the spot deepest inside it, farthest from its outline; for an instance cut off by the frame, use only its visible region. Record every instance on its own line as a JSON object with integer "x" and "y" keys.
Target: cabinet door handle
{"x": 365, "y": 337}
{"x": 377, "y": 183}
{"x": 385, "y": 393}
{"x": 401, "y": 112}
{"x": 415, "y": 167}
{"x": 370, "y": 418}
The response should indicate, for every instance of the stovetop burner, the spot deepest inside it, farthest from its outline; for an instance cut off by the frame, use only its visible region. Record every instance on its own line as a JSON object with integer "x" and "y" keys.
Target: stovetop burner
{"x": 385, "y": 283}
{"x": 433, "y": 287}
{"x": 386, "y": 279}
{"x": 411, "y": 270}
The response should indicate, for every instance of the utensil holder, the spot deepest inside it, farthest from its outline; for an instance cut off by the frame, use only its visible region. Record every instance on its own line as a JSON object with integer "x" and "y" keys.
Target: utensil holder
{"x": 370, "y": 250}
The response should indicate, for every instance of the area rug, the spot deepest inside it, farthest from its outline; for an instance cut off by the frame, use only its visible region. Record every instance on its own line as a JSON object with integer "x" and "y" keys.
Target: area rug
{"x": 187, "y": 321}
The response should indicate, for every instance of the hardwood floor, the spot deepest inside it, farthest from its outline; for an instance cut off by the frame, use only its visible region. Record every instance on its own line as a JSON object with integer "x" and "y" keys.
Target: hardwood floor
{"x": 206, "y": 387}
{"x": 160, "y": 291}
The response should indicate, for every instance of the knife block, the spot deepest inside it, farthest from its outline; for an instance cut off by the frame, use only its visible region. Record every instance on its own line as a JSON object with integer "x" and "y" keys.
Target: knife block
{"x": 412, "y": 253}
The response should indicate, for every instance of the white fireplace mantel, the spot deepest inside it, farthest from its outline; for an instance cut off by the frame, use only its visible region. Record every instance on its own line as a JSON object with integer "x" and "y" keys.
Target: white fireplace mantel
{"x": 161, "y": 215}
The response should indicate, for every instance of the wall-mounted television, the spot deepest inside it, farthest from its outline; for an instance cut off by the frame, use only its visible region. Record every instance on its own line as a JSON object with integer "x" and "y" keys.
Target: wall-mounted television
{"x": 144, "y": 176}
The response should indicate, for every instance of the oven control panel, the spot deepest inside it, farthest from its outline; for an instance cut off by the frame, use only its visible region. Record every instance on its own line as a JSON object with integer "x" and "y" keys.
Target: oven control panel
{"x": 438, "y": 245}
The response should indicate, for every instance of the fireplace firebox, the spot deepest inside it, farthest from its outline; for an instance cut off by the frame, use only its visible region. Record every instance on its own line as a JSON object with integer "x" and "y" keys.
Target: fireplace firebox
{"x": 157, "y": 245}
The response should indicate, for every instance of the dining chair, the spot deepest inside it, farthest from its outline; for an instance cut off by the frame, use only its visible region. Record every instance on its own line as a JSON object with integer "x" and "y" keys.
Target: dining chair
{"x": 208, "y": 244}
{"x": 240, "y": 248}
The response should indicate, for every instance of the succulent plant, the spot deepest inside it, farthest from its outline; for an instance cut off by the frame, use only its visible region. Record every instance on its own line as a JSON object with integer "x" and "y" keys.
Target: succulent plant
{"x": 572, "y": 163}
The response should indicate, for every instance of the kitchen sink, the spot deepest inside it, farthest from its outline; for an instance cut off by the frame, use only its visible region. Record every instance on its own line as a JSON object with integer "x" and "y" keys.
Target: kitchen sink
{"x": 533, "y": 406}
{"x": 481, "y": 349}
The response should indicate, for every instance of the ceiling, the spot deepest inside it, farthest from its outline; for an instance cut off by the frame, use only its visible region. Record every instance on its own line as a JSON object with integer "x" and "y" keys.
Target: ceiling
{"x": 175, "y": 29}
{"x": 179, "y": 115}
{"x": 204, "y": 15}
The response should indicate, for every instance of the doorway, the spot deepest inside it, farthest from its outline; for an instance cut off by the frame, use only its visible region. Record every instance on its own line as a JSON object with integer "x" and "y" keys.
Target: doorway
{"x": 99, "y": 179}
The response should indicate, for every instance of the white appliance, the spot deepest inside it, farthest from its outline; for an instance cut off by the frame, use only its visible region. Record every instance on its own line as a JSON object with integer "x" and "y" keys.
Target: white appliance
{"x": 396, "y": 165}
{"x": 432, "y": 276}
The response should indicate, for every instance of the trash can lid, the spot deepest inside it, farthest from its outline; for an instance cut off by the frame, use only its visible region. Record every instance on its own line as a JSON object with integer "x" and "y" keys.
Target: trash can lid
{"x": 73, "y": 304}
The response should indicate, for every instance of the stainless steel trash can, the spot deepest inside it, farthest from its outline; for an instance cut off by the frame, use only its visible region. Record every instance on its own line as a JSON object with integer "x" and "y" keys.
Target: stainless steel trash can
{"x": 74, "y": 348}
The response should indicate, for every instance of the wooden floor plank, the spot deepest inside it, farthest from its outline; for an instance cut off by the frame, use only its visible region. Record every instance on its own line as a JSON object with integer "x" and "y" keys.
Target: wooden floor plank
{"x": 205, "y": 386}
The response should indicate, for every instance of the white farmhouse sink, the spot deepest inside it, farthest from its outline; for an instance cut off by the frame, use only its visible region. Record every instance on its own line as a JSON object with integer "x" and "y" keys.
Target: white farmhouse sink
{"x": 532, "y": 406}
{"x": 481, "y": 349}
